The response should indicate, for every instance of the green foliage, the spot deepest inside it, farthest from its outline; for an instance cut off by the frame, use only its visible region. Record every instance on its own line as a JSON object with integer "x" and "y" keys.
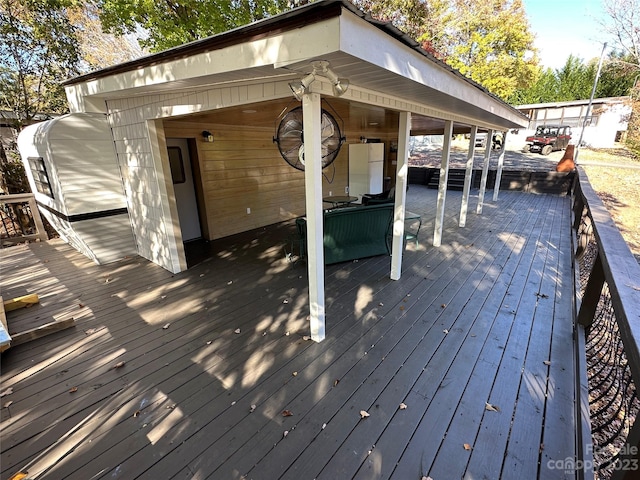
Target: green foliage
{"x": 168, "y": 23}
{"x": 574, "y": 81}
{"x": 490, "y": 42}
{"x": 39, "y": 49}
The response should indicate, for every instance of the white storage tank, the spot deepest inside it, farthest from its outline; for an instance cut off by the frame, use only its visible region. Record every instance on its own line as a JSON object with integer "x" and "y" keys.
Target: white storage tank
{"x": 73, "y": 170}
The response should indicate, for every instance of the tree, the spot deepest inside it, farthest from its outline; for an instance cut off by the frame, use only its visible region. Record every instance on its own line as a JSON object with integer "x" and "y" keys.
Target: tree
{"x": 490, "y": 42}
{"x": 99, "y": 49}
{"x": 168, "y": 23}
{"x": 622, "y": 24}
{"x": 38, "y": 50}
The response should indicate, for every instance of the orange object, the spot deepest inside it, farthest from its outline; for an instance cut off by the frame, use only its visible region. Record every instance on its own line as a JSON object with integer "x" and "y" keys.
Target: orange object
{"x": 566, "y": 163}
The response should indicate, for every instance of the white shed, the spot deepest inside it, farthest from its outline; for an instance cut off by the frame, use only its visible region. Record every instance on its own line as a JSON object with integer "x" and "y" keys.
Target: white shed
{"x": 73, "y": 171}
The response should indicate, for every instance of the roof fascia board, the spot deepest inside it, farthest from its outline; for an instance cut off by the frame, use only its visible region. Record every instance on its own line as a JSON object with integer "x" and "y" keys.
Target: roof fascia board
{"x": 287, "y": 47}
{"x": 359, "y": 38}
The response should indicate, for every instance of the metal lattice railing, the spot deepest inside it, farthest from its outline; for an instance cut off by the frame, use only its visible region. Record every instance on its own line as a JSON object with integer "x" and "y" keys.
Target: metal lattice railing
{"x": 613, "y": 399}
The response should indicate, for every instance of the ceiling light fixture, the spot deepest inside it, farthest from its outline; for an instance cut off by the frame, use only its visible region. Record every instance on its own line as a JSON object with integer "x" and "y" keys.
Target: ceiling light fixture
{"x": 300, "y": 87}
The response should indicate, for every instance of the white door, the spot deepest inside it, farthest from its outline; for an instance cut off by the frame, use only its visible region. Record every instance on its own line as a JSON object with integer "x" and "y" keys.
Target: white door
{"x": 184, "y": 188}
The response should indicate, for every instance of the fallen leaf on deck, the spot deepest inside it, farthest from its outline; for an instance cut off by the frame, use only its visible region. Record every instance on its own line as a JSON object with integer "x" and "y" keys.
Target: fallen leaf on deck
{"x": 285, "y": 301}
{"x": 381, "y": 304}
{"x": 542, "y": 295}
{"x": 401, "y": 307}
{"x": 253, "y": 407}
{"x": 491, "y": 408}
{"x": 287, "y": 413}
{"x": 285, "y": 433}
{"x": 445, "y": 331}
{"x": 229, "y": 282}
{"x": 80, "y": 305}
{"x": 166, "y": 326}
{"x": 364, "y": 414}
{"x": 209, "y": 342}
{"x": 20, "y": 475}
{"x": 541, "y": 447}
{"x": 6, "y": 405}
{"x": 8, "y": 391}
{"x": 324, "y": 425}
{"x": 136, "y": 413}
{"x": 444, "y": 305}
{"x": 73, "y": 390}
{"x": 286, "y": 334}
{"x": 237, "y": 330}
{"x": 295, "y": 374}
{"x": 336, "y": 382}
{"x": 233, "y": 403}
{"x": 547, "y": 362}
{"x": 426, "y": 478}
{"x": 306, "y": 338}
{"x": 467, "y": 446}
{"x": 118, "y": 365}
{"x": 91, "y": 331}
{"x": 403, "y": 406}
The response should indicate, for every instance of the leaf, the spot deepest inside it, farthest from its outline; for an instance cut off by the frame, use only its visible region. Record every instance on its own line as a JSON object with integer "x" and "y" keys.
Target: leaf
{"x": 19, "y": 475}
{"x": 306, "y": 338}
{"x": 364, "y": 414}
{"x": 295, "y": 374}
{"x": 547, "y": 362}
{"x": 287, "y": 413}
{"x": 80, "y": 305}
{"x": 166, "y": 326}
{"x": 8, "y": 391}
{"x": 402, "y": 406}
{"x": 73, "y": 390}
{"x": 136, "y": 413}
{"x": 491, "y": 408}
{"x": 285, "y": 433}
{"x": 253, "y": 408}
{"x": 467, "y": 446}
{"x": 237, "y": 330}
{"x": 324, "y": 425}
{"x": 6, "y": 405}
{"x": 118, "y": 365}
{"x": 171, "y": 407}
{"x": 336, "y": 382}
{"x": 444, "y": 305}
{"x": 401, "y": 307}
{"x": 445, "y": 331}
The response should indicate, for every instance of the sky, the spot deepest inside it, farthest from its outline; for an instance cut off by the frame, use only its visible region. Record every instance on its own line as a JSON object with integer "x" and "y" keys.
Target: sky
{"x": 564, "y": 27}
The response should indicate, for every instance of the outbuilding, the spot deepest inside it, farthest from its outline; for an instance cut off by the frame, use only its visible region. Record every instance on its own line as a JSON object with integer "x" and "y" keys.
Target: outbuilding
{"x": 195, "y": 135}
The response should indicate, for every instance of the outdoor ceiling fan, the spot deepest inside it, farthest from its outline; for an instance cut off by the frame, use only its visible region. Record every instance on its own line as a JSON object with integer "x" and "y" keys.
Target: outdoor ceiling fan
{"x": 290, "y": 138}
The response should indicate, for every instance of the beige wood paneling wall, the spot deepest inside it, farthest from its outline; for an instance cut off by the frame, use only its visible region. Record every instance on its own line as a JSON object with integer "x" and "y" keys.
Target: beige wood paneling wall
{"x": 243, "y": 169}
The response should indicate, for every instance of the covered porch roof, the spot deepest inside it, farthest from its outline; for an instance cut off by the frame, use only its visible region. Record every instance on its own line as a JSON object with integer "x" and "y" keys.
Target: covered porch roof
{"x": 383, "y": 66}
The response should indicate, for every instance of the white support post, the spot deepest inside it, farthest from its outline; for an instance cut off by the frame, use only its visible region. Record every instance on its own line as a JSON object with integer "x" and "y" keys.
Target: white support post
{"x": 313, "y": 197}
{"x": 496, "y": 188}
{"x": 485, "y": 171}
{"x": 467, "y": 177}
{"x": 442, "y": 187}
{"x": 404, "y": 131}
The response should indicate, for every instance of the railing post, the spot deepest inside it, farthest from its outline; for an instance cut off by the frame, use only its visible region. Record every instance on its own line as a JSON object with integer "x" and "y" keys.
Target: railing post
{"x": 37, "y": 219}
{"x": 591, "y": 296}
{"x": 628, "y": 464}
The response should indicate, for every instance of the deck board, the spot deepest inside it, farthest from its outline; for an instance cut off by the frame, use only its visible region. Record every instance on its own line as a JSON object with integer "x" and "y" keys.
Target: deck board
{"x": 181, "y": 406}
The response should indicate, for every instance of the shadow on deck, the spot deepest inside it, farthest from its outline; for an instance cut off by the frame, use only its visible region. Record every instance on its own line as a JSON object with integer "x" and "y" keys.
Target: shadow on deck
{"x": 218, "y": 380}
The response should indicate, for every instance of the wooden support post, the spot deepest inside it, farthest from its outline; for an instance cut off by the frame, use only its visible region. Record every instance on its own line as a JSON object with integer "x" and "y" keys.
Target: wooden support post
{"x": 467, "y": 177}
{"x": 37, "y": 219}
{"x": 485, "y": 172}
{"x": 313, "y": 194}
{"x": 496, "y": 187}
{"x": 404, "y": 132}
{"x": 442, "y": 186}
{"x": 592, "y": 293}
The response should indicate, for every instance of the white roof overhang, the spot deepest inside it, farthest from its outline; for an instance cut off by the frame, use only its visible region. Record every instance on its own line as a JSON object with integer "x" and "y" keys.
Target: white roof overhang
{"x": 388, "y": 69}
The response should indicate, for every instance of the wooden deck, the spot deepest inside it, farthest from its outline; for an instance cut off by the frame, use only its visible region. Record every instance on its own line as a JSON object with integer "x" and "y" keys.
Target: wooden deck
{"x": 214, "y": 356}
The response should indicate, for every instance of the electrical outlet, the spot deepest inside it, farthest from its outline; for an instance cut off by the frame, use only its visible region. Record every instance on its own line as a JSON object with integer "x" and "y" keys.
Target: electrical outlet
{"x": 248, "y": 210}
{"x": 346, "y": 190}
{"x": 330, "y": 193}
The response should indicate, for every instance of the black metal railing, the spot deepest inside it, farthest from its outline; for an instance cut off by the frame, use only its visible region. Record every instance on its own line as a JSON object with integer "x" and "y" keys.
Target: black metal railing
{"x": 608, "y": 291}
{"x": 20, "y": 219}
